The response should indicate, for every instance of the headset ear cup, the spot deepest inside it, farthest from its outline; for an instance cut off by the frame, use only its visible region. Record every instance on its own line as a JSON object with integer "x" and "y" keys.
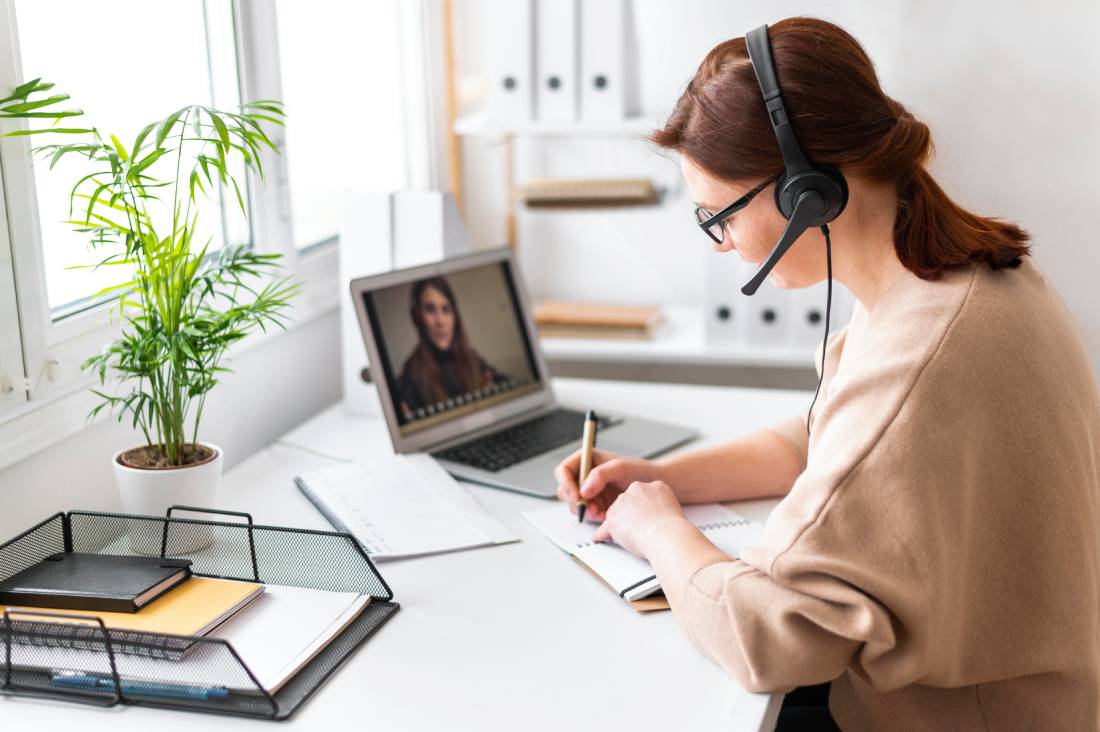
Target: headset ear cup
{"x": 826, "y": 181}
{"x": 838, "y": 202}
{"x": 779, "y": 183}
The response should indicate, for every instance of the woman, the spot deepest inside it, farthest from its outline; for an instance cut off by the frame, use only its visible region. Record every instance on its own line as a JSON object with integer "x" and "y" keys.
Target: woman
{"x": 443, "y": 365}
{"x": 935, "y": 555}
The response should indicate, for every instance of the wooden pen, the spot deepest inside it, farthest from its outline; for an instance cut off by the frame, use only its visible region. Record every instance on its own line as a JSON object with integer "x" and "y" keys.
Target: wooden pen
{"x": 588, "y": 443}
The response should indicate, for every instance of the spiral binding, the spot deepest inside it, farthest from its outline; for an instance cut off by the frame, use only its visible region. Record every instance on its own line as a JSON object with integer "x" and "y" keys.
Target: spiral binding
{"x": 725, "y": 524}
{"x": 702, "y": 527}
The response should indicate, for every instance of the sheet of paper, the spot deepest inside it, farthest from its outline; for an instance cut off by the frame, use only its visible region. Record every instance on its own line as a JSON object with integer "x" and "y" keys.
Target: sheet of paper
{"x": 286, "y": 627}
{"x": 728, "y": 530}
{"x": 401, "y": 506}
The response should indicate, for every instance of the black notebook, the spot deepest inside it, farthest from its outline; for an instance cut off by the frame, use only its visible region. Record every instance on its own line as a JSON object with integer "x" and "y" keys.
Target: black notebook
{"x": 104, "y": 582}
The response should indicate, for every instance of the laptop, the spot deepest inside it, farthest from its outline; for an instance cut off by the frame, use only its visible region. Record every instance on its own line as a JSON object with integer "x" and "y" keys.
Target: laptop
{"x": 454, "y": 354}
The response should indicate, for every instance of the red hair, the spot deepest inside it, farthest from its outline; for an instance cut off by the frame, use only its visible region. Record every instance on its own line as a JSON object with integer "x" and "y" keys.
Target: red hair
{"x": 841, "y": 117}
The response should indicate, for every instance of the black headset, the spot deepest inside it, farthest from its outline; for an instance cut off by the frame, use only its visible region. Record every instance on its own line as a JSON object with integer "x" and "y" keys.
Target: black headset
{"x": 806, "y": 194}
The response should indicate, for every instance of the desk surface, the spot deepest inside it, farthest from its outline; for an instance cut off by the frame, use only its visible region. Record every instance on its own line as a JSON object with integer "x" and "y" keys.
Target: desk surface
{"x": 501, "y": 638}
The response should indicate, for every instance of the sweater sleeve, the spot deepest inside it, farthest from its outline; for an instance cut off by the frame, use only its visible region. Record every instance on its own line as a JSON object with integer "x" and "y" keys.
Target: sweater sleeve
{"x": 772, "y": 636}
{"x": 793, "y": 432}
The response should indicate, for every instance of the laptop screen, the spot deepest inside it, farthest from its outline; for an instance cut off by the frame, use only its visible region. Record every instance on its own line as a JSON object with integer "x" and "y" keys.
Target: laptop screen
{"x": 451, "y": 344}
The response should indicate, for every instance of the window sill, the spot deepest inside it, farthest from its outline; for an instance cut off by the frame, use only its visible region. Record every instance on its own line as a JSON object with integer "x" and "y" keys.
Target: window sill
{"x": 47, "y": 420}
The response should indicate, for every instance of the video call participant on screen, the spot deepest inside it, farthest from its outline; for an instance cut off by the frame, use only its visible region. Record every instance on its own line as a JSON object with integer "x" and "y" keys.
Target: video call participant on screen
{"x": 443, "y": 364}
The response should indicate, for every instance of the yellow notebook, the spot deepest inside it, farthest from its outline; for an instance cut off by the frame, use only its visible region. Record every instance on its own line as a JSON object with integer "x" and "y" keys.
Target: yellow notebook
{"x": 196, "y": 607}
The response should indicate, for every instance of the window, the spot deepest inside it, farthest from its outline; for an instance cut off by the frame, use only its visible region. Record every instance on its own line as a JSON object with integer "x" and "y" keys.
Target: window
{"x": 345, "y": 127}
{"x": 178, "y": 53}
{"x": 345, "y": 83}
{"x": 11, "y": 352}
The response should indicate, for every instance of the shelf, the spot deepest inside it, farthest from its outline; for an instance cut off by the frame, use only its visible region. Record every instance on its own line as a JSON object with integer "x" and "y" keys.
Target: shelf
{"x": 681, "y": 341}
{"x": 480, "y": 124}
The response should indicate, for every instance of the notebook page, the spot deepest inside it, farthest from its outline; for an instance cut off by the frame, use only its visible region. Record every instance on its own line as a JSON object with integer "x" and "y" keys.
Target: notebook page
{"x": 449, "y": 489}
{"x": 391, "y": 509}
{"x": 620, "y": 569}
{"x": 728, "y": 530}
{"x": 733, "y": 536}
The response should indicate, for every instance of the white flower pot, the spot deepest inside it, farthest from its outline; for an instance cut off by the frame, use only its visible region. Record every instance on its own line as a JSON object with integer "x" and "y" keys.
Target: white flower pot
{"x": 151, "y": 491}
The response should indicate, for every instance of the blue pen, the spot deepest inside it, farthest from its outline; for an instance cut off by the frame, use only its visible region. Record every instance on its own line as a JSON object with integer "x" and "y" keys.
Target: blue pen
{"x": 76, "y": 680}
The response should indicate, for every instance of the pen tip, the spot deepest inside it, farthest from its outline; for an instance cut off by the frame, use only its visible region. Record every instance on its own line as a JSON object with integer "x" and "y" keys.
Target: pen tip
{"x": 580, "y": 513}
{"x": 589, "y": 416}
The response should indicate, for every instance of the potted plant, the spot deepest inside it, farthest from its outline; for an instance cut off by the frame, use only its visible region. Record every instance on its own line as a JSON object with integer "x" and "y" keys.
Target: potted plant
{"x": 141, "y": 204}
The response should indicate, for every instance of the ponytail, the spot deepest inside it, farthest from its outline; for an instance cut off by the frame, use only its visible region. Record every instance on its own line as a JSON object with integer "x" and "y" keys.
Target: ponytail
{"x": 932, "y": 233}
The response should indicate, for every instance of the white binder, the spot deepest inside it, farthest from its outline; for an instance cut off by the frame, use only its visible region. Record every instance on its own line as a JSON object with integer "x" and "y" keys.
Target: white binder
{"x": 808, "y": 313}
{"x": 724, "y": 306}
{"x": 603, "y": 78}
{"x": 427, "y": 228}
{"x": 556, "y": 59}
{"x": 510, "y": 35}
{"x": 366, "y": 248}
{"x": 767, "y": 317}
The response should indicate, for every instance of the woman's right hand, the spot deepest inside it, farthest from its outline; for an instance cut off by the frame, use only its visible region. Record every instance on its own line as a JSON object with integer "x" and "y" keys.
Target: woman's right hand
{"x": 610, "y": 475}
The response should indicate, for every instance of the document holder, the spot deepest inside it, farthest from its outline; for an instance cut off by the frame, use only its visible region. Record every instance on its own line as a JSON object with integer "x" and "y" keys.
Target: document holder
{"x": 48, "y": 655}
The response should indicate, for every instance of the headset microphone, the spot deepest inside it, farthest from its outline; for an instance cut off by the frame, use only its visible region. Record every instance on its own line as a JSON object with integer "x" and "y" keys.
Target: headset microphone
{"x": 807, "y": 210}
{"x": 807, "y": 195}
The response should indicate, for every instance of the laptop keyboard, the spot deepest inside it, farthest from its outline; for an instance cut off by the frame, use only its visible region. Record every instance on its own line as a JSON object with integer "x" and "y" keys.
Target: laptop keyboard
{"x": 496, "y": 451}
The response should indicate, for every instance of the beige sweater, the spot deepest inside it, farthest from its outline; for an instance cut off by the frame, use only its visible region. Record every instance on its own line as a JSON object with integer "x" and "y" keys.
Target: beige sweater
{"x": 939, "y": 556}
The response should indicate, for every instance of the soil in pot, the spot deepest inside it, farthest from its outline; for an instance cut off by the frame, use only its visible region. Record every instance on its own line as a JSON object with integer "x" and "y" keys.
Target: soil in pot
{"x": 153, "y": 458}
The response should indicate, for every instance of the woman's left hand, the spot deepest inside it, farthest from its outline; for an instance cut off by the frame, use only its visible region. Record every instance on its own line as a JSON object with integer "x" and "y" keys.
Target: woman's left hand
{"x": 639, "y": 514}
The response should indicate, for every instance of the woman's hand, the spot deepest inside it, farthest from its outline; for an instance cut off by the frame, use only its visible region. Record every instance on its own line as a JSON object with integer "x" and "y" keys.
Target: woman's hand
{"x": 609, "y": 477}
{"x": 639, "y": 514}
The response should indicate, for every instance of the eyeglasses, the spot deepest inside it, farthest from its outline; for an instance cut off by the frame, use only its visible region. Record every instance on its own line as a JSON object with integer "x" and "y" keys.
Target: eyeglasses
{"x": 715, "y": 224}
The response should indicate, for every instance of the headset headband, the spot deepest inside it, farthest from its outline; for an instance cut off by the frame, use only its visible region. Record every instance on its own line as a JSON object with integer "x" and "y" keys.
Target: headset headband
{"x": 760, "y": 54}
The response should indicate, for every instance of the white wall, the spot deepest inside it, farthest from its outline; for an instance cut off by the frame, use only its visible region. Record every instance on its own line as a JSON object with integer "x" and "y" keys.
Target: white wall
{"x": 1010, "y": 91}
{"x": 274, "y": 386}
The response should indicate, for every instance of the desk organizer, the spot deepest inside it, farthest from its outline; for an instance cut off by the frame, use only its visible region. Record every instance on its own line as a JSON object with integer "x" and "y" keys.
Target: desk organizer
{"x": 110, "y": 666}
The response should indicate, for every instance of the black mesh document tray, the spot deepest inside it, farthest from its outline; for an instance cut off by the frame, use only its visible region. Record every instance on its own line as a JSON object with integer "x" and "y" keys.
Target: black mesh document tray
{"x": 44, "y": 655}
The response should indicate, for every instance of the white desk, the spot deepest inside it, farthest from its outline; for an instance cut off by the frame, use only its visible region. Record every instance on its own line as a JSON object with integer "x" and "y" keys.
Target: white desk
{"x": 503, "y": 638}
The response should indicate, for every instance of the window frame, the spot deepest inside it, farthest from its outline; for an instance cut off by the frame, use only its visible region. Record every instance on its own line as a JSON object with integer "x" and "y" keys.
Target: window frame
{"x": 13, "y": 388}
{"x": 55, "y": 405}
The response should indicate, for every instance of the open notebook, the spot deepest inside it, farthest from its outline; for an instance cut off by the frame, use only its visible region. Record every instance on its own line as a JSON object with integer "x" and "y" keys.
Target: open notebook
{"x": 631, "y": 577}
{"x": 402, "y": 506}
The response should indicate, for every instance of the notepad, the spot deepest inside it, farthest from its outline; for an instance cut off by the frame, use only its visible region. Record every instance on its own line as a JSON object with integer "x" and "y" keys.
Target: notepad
{"x": 402, "y": 506}
{"x": 101, "y": 582}
{"x": 631, "y": 577}
{"x": 193, "y": 609}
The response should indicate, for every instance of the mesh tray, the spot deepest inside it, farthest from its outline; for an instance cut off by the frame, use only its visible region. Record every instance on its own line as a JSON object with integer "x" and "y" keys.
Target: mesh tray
{"x": 45, "y": 654}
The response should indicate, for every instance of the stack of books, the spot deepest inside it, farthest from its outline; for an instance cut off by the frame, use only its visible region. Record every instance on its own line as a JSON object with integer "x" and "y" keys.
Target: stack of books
{"x": 560, "y": 319}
